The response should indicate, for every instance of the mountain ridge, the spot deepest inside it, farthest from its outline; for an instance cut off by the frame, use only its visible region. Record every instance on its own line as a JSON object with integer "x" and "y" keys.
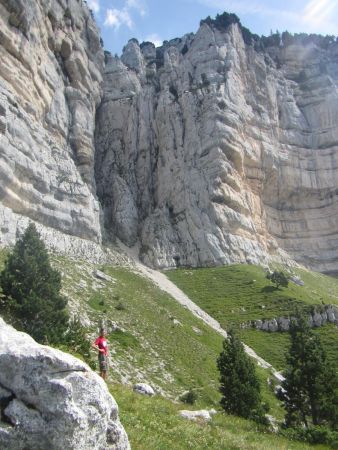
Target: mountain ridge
{"x": 203, "y": 152}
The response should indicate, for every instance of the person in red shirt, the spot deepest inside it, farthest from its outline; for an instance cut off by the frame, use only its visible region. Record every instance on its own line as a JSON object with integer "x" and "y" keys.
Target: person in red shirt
{"x": 101, "y": 345}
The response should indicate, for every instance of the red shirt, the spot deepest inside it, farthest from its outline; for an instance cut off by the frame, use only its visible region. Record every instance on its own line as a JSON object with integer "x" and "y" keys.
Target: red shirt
{"x": 102, "y": 343}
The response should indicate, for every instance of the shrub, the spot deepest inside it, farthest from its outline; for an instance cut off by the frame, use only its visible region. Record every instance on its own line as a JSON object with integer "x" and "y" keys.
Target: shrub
{"x": 189, "y": 397}
{"x": 278, "y": 278}
{"x": 120, "y": 306}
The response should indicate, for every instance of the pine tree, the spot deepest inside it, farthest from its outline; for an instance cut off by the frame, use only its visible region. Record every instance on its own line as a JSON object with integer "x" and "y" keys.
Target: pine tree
{"x": 240, "y": 387}
{"x": 31, "y": 290}
{"x": 311, "y": 384}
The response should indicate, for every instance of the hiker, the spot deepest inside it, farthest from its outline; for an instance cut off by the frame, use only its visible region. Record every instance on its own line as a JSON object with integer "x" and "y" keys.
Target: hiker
{"x": 101, "y": 345}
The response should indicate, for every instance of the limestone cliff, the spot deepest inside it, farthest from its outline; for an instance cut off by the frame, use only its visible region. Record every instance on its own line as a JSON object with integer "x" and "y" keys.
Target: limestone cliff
{"x": 50, "y": 85}
{"x": 210, "y": 151}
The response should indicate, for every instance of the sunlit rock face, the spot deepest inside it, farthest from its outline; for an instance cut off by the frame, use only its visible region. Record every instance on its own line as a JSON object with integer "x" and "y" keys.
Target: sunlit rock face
{"x": 211, "y": 152}
{"x": 50, "y": 86}
{"x": 207, "y": 150}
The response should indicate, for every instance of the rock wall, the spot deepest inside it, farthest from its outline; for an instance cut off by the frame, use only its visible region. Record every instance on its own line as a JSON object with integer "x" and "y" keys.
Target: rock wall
{"x": 50, "y": 86}
{"x": 210, "y": 152}
{"x": 207, "y": 150}
{"x": 51, "y": 400}
{"x": 328, "y": 314}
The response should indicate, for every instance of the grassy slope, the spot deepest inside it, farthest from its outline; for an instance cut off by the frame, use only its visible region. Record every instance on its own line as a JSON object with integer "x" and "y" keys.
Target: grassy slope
{"x": 240, "y": 293}
{"x": 154, "y": 424}
{"x": 171, "y": 357}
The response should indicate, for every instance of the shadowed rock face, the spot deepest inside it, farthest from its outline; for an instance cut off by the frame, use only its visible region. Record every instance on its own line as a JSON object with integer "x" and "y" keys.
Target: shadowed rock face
{"x": 50, "y": 86}
{"x": 209, "y": 152}
{"x": 51, "y": 400}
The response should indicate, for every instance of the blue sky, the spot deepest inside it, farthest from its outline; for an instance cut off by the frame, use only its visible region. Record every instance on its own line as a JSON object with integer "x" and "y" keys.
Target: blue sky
{"x": 158, "y": 20}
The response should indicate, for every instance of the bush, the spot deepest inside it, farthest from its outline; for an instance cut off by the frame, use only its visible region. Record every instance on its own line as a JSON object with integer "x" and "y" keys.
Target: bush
{"x": 278, "y": 278}
{"x": 76, "y": 341}
{"x": 189, "y": 397}
{"x": 120, "y": 306}
{"x": 313, "y": 435}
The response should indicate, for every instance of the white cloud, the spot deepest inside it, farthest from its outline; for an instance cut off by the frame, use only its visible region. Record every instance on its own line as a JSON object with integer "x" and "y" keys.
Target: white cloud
{"x": 94, "y": 5}
{"x": 155, "y": 39}
{"x": 138, "y": 5}
{"x": 117, "y": 17}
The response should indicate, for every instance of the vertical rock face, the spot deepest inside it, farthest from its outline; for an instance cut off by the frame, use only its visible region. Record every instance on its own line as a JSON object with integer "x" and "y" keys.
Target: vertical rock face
{"x": 51, "y": 400}
{"x": 207, "y": 151}
{"x": 210, "y": 152}
{"x": 50, "y": 86}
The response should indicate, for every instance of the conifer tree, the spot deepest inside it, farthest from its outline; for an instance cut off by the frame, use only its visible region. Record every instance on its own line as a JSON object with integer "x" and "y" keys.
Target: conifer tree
{"x": 240, "y": 387}
{"x": 311, "y": 384}
{"x": 31, "y": 290}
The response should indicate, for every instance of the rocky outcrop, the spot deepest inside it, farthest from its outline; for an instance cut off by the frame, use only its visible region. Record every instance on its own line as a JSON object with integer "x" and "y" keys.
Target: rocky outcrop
{"x": 49, "y": 399}
{"x": 211, "y": 151}
{"x": 318, "y": 318}
{"x": 50, "y": 86}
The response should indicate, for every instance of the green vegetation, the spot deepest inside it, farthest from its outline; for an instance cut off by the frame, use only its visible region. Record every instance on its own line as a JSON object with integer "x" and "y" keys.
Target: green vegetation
{"x": 154, "y": 339}
{"x": 31, "y": 290}
{"x": 144, "y": 339}
{"x": 238, "y": 294}
{"x": 311, "y": 385}
{"x": 154, "y": 424}
{"x": 240, "y": 386}
{"x": 278, "y": 278}
{"x": 224, "y": 20}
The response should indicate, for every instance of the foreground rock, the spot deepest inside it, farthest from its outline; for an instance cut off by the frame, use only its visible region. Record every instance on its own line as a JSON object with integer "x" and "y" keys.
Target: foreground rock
{"x": 51, "y": 400}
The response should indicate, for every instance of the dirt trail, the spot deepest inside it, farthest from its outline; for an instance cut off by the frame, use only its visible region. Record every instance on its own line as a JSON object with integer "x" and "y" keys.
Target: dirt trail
{"x": 168, "y": 286}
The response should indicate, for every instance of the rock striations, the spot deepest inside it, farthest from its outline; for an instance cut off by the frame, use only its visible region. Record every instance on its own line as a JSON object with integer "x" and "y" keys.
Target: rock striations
{"x": 207, "y": 150}
{"x": 51, "y": 400}
{"x": 50, "y": 86}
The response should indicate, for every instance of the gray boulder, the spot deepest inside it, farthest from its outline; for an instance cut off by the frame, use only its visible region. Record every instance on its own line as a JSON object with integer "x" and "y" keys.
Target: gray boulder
{"x": 51, "y": 400}
{"x": 332, "y": 314}
{"x": 297, "y": 280}
{"x": 203, "y": 414}
{"x": 143, "y": 388}
{"x": 283, "y": 323}
{"x": 317, "y": 319}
